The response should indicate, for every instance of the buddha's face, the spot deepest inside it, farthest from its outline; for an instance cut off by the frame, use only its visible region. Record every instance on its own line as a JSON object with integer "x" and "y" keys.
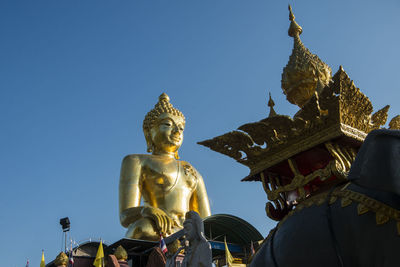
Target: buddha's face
{"x": 167, "y": 133}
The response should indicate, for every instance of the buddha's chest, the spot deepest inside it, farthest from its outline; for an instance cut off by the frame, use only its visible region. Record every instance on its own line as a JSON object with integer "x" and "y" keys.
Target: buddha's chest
{"x": 165, "y": 176}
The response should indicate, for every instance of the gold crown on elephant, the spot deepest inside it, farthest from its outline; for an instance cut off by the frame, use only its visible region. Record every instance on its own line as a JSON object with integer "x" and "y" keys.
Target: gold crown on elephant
{"x": 319, "y": 142}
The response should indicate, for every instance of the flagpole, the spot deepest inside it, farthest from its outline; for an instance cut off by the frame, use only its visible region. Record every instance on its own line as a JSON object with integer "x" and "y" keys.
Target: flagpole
{"x": 65, "y": 242}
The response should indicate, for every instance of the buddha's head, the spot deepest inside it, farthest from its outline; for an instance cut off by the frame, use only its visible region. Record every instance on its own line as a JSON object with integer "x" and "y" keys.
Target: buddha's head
{"x": 163, "y": 128}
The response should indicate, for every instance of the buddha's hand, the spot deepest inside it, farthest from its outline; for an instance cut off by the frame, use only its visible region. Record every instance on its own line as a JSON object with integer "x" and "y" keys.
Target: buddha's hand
{"x": 163, "y": 222}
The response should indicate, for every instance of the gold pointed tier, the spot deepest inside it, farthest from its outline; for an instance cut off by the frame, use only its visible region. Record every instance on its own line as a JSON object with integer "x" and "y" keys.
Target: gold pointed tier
{"x": 305, "y": 72}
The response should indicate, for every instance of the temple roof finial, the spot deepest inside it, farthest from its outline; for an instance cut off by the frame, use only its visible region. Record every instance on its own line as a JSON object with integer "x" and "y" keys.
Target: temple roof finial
{"x": 294, "y": 29}
{"x": 305, "y": 72}
{"x": 291, "y": 15}
{"x": 271, "y": 105}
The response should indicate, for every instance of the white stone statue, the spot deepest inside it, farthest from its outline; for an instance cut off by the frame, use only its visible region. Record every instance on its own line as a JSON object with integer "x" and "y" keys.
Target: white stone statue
{"x": 197, "y": 248}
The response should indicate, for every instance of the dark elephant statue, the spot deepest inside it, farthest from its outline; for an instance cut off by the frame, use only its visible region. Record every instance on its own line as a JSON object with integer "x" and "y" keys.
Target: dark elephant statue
{"x": 352, "y": 224}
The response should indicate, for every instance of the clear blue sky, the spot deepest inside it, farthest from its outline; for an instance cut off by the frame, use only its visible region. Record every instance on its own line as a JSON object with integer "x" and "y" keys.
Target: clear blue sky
{"x": 77, "y": 78}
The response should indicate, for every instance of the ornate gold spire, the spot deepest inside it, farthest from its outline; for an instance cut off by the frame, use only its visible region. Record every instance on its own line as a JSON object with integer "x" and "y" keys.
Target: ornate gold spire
{"x": 305, "y": 72}
{"x": 61, "y": 260}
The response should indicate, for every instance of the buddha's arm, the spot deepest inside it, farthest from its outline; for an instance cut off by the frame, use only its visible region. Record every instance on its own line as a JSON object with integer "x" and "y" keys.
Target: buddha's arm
{"x": 199, "y": 201}
{"x": 129, "y": 190}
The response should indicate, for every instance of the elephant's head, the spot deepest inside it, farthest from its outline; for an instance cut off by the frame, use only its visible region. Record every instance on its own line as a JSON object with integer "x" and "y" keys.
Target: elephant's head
{"x": 377, "y": 165}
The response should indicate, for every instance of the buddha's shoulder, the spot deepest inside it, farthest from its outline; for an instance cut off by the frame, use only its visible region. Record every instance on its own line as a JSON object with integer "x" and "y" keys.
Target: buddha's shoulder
{"x": 135, "y": 159}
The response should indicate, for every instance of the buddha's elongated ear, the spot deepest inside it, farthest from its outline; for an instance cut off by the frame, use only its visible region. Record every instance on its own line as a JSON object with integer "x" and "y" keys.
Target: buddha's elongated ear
{"x": 149, "y": 142}
{"x": 176, "y": 155}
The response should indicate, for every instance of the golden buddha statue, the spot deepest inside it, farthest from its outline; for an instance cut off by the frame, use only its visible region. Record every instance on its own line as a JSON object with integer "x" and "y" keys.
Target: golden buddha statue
{"x": 168, "y": 186}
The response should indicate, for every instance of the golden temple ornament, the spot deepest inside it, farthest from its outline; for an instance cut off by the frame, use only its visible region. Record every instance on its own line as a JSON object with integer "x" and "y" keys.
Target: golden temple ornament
{"x": 394, "y": 124}
{"x": 121, "y": 254}
{"x": 305, "y": 72}
{"x": 61, "y": 259}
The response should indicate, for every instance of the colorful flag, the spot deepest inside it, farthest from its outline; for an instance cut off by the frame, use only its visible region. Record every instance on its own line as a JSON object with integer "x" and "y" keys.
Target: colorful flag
{"x": 99, "y": 261}
{"x": 228, "y": 256}
{"x": 163, "y": 246}
{"x": 71, "y": 258}
{"x": 42, "y": 263}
